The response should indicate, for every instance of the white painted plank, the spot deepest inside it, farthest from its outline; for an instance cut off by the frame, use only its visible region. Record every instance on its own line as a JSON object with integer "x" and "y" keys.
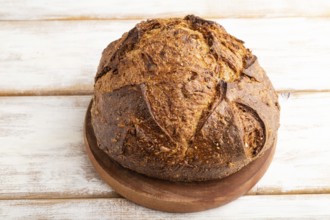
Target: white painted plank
{"x": 61, "y": 57}
{"x": 247, "y": 207}
{"x": 301, "y": 163}
{"x": 125, "y": 9}
{"x": 42, "y": 151}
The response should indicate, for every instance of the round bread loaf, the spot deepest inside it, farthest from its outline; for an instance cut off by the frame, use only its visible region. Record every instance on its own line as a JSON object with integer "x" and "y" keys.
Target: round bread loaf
{"x": 183, "y": 100}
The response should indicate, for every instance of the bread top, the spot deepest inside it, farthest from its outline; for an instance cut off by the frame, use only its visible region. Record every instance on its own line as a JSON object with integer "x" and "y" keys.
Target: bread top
{"x": 183, "y": 100}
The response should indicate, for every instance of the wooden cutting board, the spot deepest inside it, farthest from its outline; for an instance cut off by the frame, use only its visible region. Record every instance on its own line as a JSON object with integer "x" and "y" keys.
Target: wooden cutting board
{"x": 172, "y": 196}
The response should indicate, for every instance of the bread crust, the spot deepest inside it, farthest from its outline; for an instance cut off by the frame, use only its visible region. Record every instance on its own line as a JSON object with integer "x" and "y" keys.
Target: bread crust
{"x": 183, "y": 100}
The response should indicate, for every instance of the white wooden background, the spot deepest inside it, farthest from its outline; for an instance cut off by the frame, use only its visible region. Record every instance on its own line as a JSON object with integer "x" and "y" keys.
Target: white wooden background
{"x": 49, "y": 52}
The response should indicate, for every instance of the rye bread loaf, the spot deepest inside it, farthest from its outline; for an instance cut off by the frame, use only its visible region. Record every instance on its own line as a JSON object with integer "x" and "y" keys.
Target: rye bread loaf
{"x": 183, "y": 100}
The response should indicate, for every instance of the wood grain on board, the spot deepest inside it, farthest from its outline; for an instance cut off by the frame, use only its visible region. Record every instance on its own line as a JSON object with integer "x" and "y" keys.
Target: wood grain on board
{"x": 42, "y": 154}
{"x": 125, "y": 9}
{"x": 173, "y": 196}
{"x": 41, "y": 57}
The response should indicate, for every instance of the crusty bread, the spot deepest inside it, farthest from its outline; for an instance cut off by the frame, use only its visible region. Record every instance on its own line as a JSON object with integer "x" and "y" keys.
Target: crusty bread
{"x": 183, "y": 100}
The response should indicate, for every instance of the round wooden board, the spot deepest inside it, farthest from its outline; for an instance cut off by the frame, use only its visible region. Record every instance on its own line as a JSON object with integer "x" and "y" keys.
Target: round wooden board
{"x": 173, "y": 196}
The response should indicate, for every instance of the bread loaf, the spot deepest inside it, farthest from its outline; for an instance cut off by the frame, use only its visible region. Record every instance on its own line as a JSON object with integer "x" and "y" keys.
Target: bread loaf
{"x": 182, "y": 100}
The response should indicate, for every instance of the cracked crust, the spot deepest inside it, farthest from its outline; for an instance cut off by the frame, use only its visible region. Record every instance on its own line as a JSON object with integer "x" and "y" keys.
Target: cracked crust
{"x": 183, "y": 100}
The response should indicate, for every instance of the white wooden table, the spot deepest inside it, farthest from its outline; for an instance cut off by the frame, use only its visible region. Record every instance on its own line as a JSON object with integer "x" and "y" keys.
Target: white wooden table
{"x": 49, "y": 53}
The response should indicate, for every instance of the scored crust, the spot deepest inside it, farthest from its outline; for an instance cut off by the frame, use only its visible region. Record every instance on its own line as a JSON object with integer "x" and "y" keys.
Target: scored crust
{"x": 183, "y": 100}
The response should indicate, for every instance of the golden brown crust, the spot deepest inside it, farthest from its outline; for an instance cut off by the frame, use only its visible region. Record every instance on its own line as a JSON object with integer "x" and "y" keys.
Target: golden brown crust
{"x": 182, "y": 100}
